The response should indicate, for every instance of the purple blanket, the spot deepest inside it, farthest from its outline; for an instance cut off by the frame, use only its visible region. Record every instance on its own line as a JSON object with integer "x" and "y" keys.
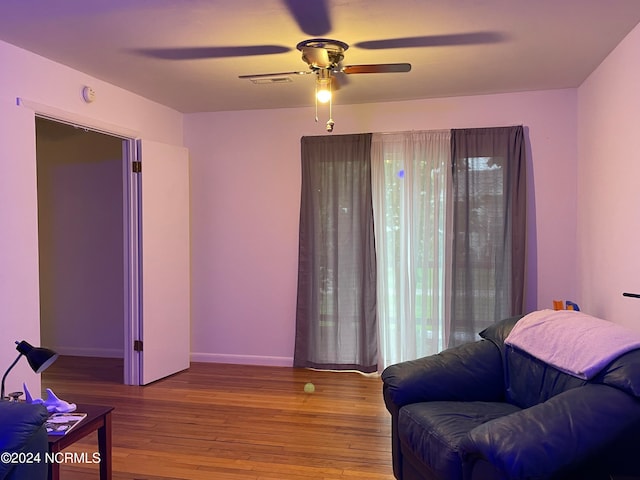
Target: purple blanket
{"x": 572, "y": 341}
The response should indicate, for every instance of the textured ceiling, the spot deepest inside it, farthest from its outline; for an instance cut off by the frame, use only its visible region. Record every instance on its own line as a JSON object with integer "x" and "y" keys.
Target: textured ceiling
{"x": 456, "y": 47}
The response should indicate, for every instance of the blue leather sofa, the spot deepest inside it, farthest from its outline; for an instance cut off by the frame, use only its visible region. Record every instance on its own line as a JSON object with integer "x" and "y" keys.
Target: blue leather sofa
{"x": 486, "y": 410}
{"x": 23, "y": 441}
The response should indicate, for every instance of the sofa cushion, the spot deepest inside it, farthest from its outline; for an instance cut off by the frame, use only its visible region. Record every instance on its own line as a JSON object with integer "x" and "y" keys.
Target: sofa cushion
{"x": 530, "y": 381}
{"x": 558, "y": 436}
{"x": 499, "y": 331}
{"x": 433, "y": 430}
{"x": 623, "y": 373}
{"x": 521, "y": 370}
{"x": 572, "y": 342}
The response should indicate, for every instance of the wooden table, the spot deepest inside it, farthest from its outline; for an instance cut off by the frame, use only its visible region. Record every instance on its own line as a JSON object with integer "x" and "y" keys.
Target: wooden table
{"x": 98, "y": 418}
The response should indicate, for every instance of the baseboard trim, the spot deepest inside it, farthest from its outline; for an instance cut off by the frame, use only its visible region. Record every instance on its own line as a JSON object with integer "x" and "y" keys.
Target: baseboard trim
{"x": 195, "y": 357}
{"x": 242, "y": 359}
{"x": 89, "y": 352}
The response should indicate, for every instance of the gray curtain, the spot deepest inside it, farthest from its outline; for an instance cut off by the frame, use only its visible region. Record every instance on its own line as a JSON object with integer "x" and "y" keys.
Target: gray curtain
{"x": 336, "y": 324}
{"x": 489, "y": 228}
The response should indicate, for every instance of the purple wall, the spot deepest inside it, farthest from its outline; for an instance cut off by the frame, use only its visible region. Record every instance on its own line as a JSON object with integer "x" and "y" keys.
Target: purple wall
{"x": 609, "y": 186}
{"x": 245, "y": 207}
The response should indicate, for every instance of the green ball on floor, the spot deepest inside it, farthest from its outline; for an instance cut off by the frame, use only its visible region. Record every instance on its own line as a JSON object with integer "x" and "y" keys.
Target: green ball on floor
{"x": 309, "y": 387}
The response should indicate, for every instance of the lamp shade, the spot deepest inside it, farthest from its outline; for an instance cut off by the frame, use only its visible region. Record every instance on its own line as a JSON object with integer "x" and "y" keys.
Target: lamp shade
{"x": 38, "y": 357}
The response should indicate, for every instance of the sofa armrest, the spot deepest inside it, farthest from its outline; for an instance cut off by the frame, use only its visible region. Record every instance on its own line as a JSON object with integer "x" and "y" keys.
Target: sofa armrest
{"x": 21, "y": 424}
{"x": 554, "y": 436}
{"x": 469, "y": 372}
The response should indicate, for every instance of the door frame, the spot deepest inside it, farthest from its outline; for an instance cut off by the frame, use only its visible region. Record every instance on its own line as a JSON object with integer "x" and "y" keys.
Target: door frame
{"x": 131, "y": 223}
{"x": 132, "y": 262}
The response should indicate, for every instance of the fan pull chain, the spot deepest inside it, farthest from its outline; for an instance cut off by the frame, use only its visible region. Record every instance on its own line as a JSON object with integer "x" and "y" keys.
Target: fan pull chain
{"x": 316, "y": 97}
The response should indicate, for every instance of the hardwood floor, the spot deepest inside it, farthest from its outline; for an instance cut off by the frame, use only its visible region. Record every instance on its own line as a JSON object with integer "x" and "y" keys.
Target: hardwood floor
{"x": 232, "y": 422}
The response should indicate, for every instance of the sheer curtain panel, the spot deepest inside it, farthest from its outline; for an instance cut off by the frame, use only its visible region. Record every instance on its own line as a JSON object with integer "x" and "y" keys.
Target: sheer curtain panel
{"x": 410, "y": 176}
{"x": 489, "y": 228}
{"x": 336, "y": 326}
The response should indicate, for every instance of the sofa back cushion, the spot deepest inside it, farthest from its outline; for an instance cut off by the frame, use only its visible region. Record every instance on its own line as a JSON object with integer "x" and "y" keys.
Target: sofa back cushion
{"x": 573, "y": 342}
{"x": 623, "y": 373}
{"x": 529, "y": 381}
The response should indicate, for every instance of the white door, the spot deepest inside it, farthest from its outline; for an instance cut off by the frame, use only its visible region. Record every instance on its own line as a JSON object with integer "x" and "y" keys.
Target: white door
{"x": 164, "y": 326}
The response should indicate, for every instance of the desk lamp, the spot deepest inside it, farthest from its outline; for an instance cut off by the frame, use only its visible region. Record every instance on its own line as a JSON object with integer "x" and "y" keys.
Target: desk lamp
{"x": 39, "y": 358}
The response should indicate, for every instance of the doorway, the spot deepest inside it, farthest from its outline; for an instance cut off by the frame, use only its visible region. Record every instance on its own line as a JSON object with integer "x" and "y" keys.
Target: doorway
{"x": 80, "y": 234}
{"x": 142, "y": 296}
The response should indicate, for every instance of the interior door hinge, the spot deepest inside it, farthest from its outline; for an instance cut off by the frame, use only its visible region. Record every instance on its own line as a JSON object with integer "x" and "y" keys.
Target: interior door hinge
{"x": 137, "y": 345}
{"x": 136, "y": 167}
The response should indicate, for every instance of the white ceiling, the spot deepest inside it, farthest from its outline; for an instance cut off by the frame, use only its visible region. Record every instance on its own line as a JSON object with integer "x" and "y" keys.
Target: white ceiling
{"x": 515, "y": 45}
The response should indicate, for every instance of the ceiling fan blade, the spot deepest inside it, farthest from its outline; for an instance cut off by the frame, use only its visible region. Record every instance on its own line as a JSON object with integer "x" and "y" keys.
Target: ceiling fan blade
{"x": 196, "y": 53}
{"x": 377, "y": 68}
{"x": 282, "y": 74}
{"x": 312, "y": 16}
{"x": 339, "y": 80}
{"x": 472, "y": 38}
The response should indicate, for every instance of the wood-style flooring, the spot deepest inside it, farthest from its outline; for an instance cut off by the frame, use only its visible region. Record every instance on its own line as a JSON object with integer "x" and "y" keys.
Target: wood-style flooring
{"x": 231, "y": 422}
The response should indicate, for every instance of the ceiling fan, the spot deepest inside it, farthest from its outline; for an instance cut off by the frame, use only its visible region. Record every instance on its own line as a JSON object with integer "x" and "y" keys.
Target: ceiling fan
{"x": 324, "y": 58}
{"x": 326, "y": 54}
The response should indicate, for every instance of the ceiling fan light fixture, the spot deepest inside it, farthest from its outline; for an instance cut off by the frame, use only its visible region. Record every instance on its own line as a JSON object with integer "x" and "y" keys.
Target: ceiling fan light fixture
{"x": 323, "y": 95}
{"x": 323, "y": 86}
{"x": 324, "y": 58}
